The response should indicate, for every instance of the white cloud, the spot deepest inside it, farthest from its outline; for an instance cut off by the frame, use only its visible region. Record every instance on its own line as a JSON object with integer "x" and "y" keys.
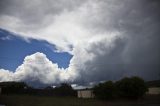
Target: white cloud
{"x": 107, "y": 38}
{"x": 5, "y": 75}
{"x": 38, "y": 68}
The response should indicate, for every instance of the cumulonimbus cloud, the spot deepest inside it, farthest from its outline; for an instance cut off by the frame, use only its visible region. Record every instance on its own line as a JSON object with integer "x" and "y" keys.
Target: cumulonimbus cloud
{"x": 108, "y": 39}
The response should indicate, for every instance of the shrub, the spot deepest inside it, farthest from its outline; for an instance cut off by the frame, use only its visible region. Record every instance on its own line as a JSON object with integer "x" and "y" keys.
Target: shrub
{"x": 133, "y": 87}
{"x": 104, "y": 90}
{"x": 64, "y": 90}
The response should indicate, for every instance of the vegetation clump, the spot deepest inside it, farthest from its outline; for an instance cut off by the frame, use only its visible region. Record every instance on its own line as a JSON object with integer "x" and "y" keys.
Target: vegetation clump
{"x": 104, "y": 90}
{"x": 132, "y": 88}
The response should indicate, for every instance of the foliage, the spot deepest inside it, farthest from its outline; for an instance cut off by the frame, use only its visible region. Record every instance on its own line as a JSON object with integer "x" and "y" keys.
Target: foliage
{"x": 64, "y": 90}
{"x": 22, "y": 88}
{"x": 13, "y": 87}
{"x": 133, "y": 87}
{"x": 104, "y": 90}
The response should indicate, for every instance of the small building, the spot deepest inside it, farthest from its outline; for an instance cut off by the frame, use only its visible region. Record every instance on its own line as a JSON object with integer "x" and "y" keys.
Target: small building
{"x": 85, "y": 93}
{"x": 154, "y": 87}
{"x": 153, "y": 90}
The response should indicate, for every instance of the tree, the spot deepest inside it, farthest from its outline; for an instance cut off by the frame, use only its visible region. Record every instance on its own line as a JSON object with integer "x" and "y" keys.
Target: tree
{"x": 13, "y": 87}
{"x": 64, "y": 90}
{"x": 104, "y": 90}
{"x": 133, "y": 87}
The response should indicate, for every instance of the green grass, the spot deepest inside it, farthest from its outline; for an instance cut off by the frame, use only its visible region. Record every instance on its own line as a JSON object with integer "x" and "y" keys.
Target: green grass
{"x": 30, "y": 100}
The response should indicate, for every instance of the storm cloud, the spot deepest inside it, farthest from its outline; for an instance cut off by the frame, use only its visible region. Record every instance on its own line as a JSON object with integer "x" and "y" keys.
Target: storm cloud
{"x": 109, "y": 39}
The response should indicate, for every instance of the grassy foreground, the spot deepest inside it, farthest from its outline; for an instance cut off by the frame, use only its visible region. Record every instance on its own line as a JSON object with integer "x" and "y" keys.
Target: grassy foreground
{"x": 28, "y": 100}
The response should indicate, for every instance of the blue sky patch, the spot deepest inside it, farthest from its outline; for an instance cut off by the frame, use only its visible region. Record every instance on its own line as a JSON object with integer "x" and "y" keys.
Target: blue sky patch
{"x": 14, "y": 49}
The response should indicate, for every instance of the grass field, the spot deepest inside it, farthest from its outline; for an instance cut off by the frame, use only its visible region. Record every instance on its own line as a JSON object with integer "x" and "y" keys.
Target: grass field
{"x": 28, "y": 100}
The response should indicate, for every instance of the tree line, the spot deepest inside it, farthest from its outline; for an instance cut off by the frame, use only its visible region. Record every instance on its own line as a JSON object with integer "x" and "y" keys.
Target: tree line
{"x": 130, "y": 88}
{"x": 22, "y": 88}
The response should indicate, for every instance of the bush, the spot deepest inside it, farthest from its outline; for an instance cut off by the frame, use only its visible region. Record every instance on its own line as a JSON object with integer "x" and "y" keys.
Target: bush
{"x": 133, "y": 87}
{"x": 64, "y": 90}
{"x": 13, "y": 87}
{"x": 104, "y": 90}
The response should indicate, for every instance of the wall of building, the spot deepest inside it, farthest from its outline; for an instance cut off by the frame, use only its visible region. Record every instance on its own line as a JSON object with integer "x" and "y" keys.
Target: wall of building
{"x": 154, "y": 90}
{"x": 85, "y": 94}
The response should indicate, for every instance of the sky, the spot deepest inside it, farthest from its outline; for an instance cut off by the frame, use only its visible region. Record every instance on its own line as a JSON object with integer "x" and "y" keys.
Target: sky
{"x": 14, "y": 49}
{"x": 81, "y": 42}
